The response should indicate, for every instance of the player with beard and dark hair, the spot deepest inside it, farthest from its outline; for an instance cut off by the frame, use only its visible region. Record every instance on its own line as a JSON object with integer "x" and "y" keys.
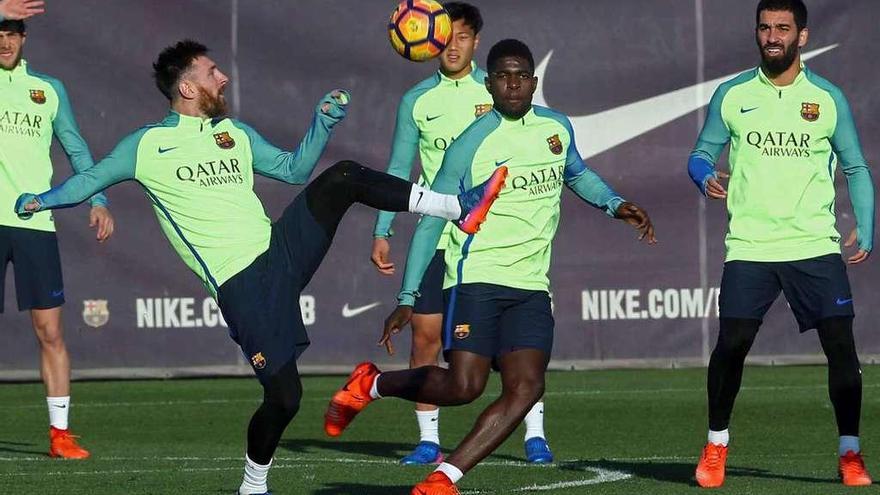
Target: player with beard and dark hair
{"x": 430, "y": 116}
{"x": 785, "y": 125}
{"x": 34, "y": 108}
{"x": 496, "y": 286}
{"x": 197, "y": 167}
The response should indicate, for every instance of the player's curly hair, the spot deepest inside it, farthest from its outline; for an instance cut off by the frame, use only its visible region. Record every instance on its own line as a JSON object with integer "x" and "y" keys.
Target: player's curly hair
{"x": 466, "y": 11}
{"x": 173, "y": 62}
{"x": 509, "y": 48}
{"x": 796, "y": 7}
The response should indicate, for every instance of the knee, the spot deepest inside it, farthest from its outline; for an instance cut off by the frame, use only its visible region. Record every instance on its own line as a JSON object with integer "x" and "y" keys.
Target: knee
{"x": 341, "y": 171}
{"x": 736, "y": 337}
{"x": 527, "y": 390}
{"x": 49, "y": 335}
{"x": 425, "y": 349}
{"x": 467, "y": 390}
{"x": 285, "y": 401}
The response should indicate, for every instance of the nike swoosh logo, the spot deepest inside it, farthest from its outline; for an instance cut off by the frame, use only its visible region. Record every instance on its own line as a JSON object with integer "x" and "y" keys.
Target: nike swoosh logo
{"x": 57, "y": 293}
{"x": 747, "y": 110}
{"x": 604, "y": 130}
{"x": 166, "y": 150}
{"x": 61, "y": 406}
{"x": 430, "y": 118}
{"x": 502, "y": 162}
{"x": 352, "y": 312}
{"x": 417, "y": 204}
{"x": 841, "y": 302}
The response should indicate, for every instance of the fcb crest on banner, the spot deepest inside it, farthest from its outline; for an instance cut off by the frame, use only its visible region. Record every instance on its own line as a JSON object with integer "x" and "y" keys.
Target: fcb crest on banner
{"x": 810, "y": 111}
{"x": 224, "y": 140}
{"x": 38, "y": 96}
{"x": 95, "y": 312}
{"x": 555, "y": 144}
{"x": 482, "y": 109}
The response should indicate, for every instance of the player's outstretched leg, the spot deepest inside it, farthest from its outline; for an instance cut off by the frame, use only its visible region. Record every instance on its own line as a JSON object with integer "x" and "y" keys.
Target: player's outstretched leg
{"x": 735, "y": 338}
{"x": 282, "y": 394}
{"x": 845, "y": 390}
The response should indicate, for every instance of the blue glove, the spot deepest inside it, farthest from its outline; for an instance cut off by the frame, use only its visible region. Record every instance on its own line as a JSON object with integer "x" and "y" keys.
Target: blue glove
{"x": 333, "y": 106}
{"x": 22, "y": 201}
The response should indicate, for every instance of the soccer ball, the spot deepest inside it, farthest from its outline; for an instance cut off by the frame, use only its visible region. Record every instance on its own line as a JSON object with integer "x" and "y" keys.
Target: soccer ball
{"x": 419, "y": 29}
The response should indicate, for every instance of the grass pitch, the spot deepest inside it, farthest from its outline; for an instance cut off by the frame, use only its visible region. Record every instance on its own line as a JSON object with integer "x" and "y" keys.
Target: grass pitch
{"x": 613, "y": 432}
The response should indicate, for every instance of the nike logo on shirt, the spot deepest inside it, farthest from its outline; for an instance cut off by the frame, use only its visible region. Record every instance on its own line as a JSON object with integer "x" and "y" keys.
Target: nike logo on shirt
{"x": 430, "y": 118}
{"x": 747, "y": 110}
{"x": 166, "y": 150}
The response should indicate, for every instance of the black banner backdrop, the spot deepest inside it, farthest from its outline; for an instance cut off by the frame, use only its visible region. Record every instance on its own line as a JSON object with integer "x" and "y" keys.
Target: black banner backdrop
{"x": 634, "y": 76}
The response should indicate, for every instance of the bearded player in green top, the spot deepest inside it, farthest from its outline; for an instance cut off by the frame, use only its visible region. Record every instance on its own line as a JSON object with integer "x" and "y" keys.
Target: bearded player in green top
{"x": 197, "y": 167}
{"x": 786, "y": 126}
{"x": 496, "y": 284}
{"x": 430, "y": 117}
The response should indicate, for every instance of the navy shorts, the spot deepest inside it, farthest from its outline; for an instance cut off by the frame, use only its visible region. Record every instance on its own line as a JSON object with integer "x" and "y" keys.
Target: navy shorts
{"x": 815, "y": 288}
{"x": 492, "y": 320}
{"x": 261, "y": 303}
{"x": 430, "y": 300}
{"x": 37, "y": 265}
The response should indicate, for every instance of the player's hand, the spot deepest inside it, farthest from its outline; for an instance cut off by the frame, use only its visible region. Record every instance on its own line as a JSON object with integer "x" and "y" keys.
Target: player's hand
{"x": 861, "y": 255}
{"x": 26, "y": 205}
{"x": 714, "y": 189}
{"x": 634, "y": 215}
{"x": 334, "y": 105}
{"x": 381, "y": 250}
{"x": 395, "y": 321}
{"x": 20, "y": 9}
{"x": 101, "y": 218}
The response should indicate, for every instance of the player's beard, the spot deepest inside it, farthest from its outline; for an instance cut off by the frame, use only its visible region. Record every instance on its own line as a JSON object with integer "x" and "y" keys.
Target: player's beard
{"x": 14, "y": 62}
{"x": 210, "y": 105}
{"x": 773, "y": 66}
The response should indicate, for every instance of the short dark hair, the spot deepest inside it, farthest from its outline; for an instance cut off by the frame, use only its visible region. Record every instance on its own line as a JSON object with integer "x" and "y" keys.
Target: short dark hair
{"x": 796, "y": 7}
{"x": 13, "y": 26}
{"x": 466, "y": 11}
{"x": 173, "y": 62}
{"x": 509, "y": 48}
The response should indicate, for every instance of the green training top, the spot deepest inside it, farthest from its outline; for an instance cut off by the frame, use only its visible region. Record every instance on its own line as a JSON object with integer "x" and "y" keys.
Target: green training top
{"x": 33, "y": 108}
{"x": 513, "y": 246}
{"x": 783, "y": 144}
{"x": 430, "y": 117}
{"x": 199, "y": 175}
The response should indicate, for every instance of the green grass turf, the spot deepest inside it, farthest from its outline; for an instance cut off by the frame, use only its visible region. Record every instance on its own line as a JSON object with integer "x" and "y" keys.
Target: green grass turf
{"x": 187, "y": 436}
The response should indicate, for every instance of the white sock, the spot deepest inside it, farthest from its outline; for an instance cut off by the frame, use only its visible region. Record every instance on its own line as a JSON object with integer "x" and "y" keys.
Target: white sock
{"x": 59, "y": 407}
{"x": 848, "y": 442}
{"x": 535, "y": 421}
{"x": 429, "y": 426}
{"x": 719, "y": 437}
{"x": 427, "y": 202}
{"x": 254, "y": 477}
{"x": 453, "y": 473}
{"x": 374, "y": 389}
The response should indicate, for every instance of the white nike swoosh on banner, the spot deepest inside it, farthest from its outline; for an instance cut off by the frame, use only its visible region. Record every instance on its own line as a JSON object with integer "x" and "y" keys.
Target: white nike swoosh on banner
{"x": 352, "y": 312}
{"x": 604, "y": 130}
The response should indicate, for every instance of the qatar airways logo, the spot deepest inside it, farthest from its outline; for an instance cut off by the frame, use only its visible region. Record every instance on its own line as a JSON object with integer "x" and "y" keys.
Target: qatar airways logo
{"x": 780, "y": 143}
{"x": 21, "y": 123}
{"x": 539, "y": 182}
{"x": 212, "y": 173}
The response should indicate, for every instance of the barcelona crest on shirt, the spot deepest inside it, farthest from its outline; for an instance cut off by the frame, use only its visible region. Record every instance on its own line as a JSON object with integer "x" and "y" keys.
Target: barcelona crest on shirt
{"x": 224, "y": 140}
{"x": 38, "y": 96}
{"x": 810, "y": 111}
{"x": 462, "y": 331}
{"x": 555, "y": 144}
{"x": 258, "y": 361}
{"x": 482, "y": 109}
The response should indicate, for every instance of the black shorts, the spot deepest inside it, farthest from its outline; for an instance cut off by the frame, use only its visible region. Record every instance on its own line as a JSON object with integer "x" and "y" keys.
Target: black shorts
{"x": 430, "y": 300}
{"x": 37, "y": 265}
{"x": 815, "y": 288}
{"x": 492, "y": 320}
{"x": 261, "y": 303}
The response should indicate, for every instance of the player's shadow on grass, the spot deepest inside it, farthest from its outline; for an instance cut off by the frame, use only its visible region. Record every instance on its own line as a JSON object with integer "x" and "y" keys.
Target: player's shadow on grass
{"x": 6, "y": 446}
{"x": 358, "y": 489}
{"x": 683, "y": 472}
{"x": 389, "y": 450}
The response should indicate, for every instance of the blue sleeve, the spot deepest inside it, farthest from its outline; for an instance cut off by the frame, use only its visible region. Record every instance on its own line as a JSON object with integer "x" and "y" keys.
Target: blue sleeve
{"x": 295, "y": 167}
{"x": 118, "y": 166}
{"x": 67, "y": 133}
{"x": 711, "y": 142}
{"x": 404, "y": 149}
{"x": 453, "y": 177}
{"x": 845, "y": 143}
{"x": 586, "y": 183}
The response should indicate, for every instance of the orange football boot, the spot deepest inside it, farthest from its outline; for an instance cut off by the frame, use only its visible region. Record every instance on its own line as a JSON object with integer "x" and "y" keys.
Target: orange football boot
{"x": 475, "y": 203}
{"x": 351, "y": 399}
{"x": 710, "y": 470}
{"x": 437, "y": 483}
{"x": 63, "y": 444}
{"x": 852, "y": 469}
